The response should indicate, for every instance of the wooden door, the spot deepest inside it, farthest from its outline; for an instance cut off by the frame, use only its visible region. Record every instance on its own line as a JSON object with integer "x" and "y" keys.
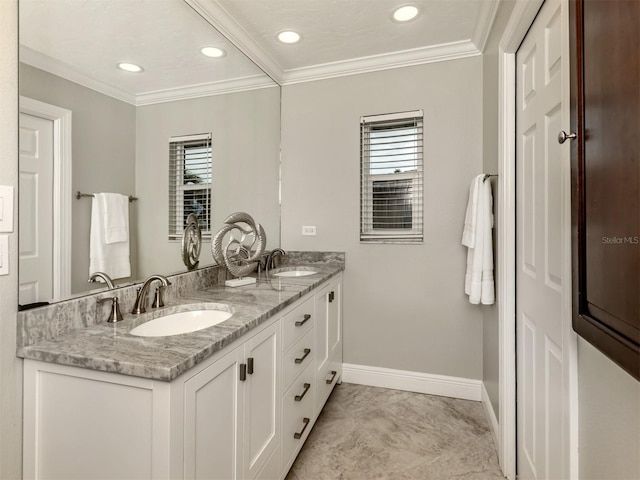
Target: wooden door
{"x": 605, "y": 111}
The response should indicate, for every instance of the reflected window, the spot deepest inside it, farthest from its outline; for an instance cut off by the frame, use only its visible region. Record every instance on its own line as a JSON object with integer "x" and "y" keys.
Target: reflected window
{"x": 190, "y": 176}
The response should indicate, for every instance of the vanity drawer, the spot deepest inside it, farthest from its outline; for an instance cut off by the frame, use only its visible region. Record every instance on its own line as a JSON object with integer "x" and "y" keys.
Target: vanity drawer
{"x": 297, "y": 415}
{"x": 326, "y": 380}
{"x": 297, "y": 358}
{"x": 297, "y": 322}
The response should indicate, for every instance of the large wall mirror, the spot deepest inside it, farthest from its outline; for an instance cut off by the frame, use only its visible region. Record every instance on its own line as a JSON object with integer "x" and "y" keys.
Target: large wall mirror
{"x": 87, "y": 126}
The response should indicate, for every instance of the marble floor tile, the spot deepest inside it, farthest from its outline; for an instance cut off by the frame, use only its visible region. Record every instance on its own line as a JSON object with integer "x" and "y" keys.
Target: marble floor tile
{"x": 369, "y": 433}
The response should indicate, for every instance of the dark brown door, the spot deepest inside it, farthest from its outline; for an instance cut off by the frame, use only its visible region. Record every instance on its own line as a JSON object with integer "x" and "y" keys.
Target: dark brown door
{"x": 605, "y": 36}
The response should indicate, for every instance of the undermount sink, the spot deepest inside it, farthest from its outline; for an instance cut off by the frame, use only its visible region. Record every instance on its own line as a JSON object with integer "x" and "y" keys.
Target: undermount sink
{"x": 294, "y": 271}
{"x": 181, "y": 322}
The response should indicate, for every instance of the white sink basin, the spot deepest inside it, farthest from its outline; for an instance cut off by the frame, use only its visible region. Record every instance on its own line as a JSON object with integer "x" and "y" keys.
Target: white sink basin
{"x": 294, "y": 271}
{"x": 182, "y": 322}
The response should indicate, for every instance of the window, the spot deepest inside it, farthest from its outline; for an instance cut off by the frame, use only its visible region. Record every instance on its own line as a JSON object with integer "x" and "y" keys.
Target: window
{"x": 391, "y": 186}
{"x": 189, "y": 183}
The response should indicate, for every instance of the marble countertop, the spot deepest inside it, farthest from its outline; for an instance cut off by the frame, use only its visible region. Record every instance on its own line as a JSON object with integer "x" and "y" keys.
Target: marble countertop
{"x": 111, "y": 348}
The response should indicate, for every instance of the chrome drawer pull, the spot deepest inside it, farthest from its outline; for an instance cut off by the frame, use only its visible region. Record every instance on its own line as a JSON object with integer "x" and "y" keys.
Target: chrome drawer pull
{"x": 299, "y": 434}
{"x": 307, "y": 386}
{"x": 299, "y": 323}
{"x": 333, "y": 376}
{"x": 307, "y": 351}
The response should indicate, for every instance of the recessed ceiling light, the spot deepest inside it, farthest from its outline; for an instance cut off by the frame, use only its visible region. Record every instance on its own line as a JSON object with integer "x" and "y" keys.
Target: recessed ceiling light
{"x": 130, "y": 67}
{"x": 405, "y": 13}
{"x": 289, "y": 36}
{"x": 213, "y": 52}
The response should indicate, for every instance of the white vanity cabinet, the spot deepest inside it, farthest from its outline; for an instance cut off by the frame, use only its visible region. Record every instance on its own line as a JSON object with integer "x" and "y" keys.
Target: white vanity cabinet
{"x": 241, "y": 414}
{"x": 219, "y": 420}
{"x": 232, "y": 413}
{"x": 298, "y": 360}
{"x": 328, "y": 340}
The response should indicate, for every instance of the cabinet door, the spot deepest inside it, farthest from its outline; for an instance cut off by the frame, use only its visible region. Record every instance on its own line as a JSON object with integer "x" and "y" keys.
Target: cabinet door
{"x": 606, "y": 177}
{"x": 212, "y": 422}
{"x": 261, "y": 400}
{"x": 322, "y": 329}
{"x": 334, "y": 320}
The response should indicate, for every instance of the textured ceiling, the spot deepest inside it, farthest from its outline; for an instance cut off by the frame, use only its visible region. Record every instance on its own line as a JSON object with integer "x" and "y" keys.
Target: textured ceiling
{"x": 163, "y": 36}
{"x": 87, "y": 38}
{"x": 340, "y": 30}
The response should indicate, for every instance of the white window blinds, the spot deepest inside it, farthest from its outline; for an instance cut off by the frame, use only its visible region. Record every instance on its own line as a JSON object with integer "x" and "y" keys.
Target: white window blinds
{"x": 190, "y": 175}
{"x": 391, "y": 178}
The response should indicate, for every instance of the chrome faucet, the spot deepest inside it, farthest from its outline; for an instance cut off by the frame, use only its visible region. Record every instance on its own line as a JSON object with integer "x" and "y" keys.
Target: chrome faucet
{"x": 141, "y": 299}
{"x": 95, "y": 275}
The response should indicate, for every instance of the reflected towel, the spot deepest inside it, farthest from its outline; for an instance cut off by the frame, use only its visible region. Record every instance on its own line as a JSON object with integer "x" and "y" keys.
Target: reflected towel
{"x": 479, "y": 282}
{"x": 114, "y": 209}
{"x": 110, "y": 258}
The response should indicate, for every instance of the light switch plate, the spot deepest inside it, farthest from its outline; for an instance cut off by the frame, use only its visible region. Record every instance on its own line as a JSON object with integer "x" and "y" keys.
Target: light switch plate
{"x": 6, "y": 209}
{"x": 308, "y": 230}
{"x": 4, "y": 254}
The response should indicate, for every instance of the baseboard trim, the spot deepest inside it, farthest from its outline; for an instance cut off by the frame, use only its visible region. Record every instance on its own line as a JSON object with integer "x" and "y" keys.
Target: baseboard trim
{"x": 491, "y": 415}
{"x": 455, "y": 387}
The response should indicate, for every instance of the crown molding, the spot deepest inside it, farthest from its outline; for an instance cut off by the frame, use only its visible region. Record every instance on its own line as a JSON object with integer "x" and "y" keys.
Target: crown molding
{"x": 204, "y": 90}
{"x": 55, "y": 67}
{"x": 484, "y": 22}
{"x": 405, "y": 58}
{"x": 219, "y": 17}
{"x": 60, "y": 69}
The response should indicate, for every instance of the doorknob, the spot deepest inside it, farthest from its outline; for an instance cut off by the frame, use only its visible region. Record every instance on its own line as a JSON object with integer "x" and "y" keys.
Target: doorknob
{"x": 564, "y": 136}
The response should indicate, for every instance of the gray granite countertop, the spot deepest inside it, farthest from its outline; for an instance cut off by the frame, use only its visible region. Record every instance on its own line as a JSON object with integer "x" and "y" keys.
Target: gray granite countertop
{"x": 111, "y": 348}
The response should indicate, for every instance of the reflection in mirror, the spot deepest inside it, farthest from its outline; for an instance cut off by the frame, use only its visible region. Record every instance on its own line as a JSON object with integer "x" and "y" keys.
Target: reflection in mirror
{"x": 88, "y": 126}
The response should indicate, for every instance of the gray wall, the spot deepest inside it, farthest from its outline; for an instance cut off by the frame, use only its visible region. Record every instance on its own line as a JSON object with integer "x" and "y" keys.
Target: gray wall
{"x": 490, "y": 70}
{"x": 404, "y": 305}
{"x": 609, "y": 418}
{"x": 245, "y": 129}
{"x": 103, "y": 150}
{"x": 10, "y": 365}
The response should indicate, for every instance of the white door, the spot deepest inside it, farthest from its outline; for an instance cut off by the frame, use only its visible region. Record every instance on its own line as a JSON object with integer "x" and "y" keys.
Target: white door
{"x": 36, "y": 209}
{"x": 542, "y": 257}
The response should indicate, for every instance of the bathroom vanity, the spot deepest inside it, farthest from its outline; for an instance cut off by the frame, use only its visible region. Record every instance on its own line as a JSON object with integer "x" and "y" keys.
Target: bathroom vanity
{"x": 233, "y": 401}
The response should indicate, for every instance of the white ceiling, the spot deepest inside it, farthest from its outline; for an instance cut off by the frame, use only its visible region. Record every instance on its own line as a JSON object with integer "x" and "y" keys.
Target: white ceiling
{"x": 82, "y": 40}
{"x": 341, "y": 37}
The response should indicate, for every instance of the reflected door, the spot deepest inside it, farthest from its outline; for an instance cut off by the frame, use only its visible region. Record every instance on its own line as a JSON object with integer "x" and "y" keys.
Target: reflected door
{"x": 36, "y": 209}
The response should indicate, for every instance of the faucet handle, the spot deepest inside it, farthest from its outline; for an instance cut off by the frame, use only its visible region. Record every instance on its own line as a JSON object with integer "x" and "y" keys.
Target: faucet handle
{"x": 114, "y": 315}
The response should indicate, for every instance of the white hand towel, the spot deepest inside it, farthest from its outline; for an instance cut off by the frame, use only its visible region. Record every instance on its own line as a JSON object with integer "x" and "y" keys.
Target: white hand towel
{"x": 110, "y": 258}
{"x": 479, "y": 282}
{"x": 115, "y": 215}
{"x": 470, "y": 218}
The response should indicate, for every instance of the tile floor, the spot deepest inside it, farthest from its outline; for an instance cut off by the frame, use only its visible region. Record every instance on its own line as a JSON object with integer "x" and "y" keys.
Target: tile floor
{"x": 367, "y": 433}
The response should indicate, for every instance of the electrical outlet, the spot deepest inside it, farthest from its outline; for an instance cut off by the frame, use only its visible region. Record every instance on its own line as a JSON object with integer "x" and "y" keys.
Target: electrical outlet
{"x": 308, "y": 230}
